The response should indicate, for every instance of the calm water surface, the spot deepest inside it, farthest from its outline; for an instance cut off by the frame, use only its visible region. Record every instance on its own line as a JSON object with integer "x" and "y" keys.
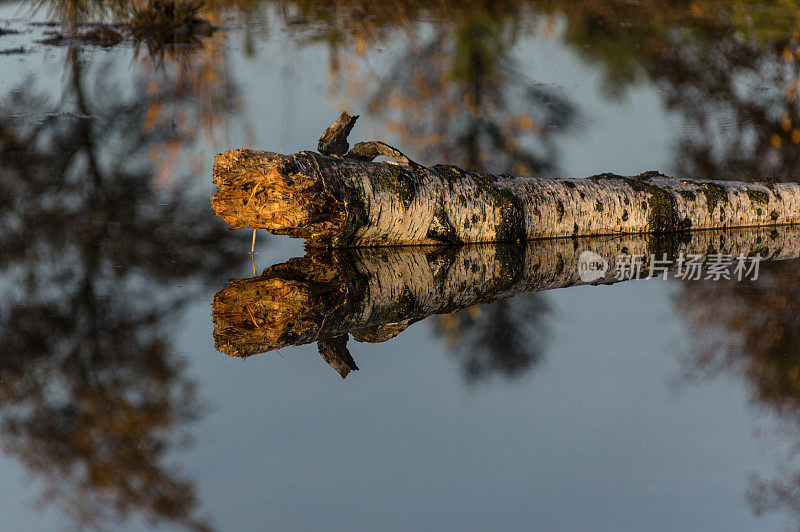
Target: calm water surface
{"x": 642, "y": 405}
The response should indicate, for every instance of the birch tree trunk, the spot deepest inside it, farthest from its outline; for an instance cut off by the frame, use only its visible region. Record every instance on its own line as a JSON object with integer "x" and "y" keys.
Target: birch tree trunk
{"x": 347, "y": 200}
{"x": 374, "y": 294}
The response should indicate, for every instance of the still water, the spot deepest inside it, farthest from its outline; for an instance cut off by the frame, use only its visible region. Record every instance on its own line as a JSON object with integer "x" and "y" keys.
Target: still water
{"x": 644, "y": 404}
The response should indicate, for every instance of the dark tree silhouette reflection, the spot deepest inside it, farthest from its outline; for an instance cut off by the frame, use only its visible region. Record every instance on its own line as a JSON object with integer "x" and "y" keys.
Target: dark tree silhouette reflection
{"x": 504, "y": 338}
{"x": 96, "y": 260}
{"x": 741, "y": 101}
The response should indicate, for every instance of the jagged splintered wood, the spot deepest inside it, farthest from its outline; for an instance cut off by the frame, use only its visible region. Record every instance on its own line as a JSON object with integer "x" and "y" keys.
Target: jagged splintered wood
{"x": 346, "y": 201}
{"x": 374, "y": 294}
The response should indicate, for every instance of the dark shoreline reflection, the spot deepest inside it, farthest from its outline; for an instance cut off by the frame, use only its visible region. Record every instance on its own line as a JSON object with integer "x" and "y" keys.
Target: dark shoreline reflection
{"x": 98, "y": 255}
{"x": 375, "y": 294}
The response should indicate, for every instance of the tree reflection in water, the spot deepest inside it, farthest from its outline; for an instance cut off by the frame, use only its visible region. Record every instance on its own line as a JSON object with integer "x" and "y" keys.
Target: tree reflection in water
{"x": 752, "y": 329}
{"x": 505, "y": 338}
{"x": 97, "y": 260}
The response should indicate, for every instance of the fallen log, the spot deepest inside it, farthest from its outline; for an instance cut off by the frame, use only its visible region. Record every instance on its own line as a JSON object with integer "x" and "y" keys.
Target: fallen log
{"x": 338, "y": 199}
{"x": 374, "y": 294}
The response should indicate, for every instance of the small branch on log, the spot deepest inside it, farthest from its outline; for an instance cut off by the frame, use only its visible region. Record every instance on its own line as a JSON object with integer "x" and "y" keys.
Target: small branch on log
{"x": 375, "y": 294}
{"x": 367, "y": 151}
{"x": 335, "y": 201}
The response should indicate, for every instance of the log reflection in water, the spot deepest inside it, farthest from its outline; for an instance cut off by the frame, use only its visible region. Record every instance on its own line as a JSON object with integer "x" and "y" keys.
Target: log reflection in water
{"x": 375, "y": 294}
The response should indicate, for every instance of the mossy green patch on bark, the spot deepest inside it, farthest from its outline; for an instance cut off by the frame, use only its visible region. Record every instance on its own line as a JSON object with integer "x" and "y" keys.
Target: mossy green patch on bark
{"x": 662, "y": 206}
{"x": 512, "y": 221}
{"x": 605, "y": 175}
{"x": 773, "y": 216}
{"x": 511, "y": 224}
{"x": 688, "y": 195}
{"x": 758, "y": 196}
{"x": 769, "y": 182}
{"x": 714, "y": 195}
{"x": 598, "y": 206}
{"x": 449, "y": 173}
{"x": 644, "y": 176}
{"x": 399, "y": 181}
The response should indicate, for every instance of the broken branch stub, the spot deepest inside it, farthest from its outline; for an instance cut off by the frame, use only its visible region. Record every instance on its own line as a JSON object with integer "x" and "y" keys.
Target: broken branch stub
{"x": 334, "y": 140}
{"x": 353, "y": 201}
